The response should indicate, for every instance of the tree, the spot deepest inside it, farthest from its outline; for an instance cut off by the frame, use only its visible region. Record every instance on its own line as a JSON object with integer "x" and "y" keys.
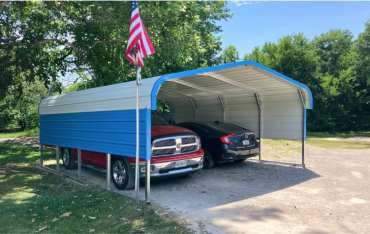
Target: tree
{"x": 331, "y": 47}
{"x": 33, "y": 44}
{"x": 361, "y": 84}
{"x": 182, "y": 33}
{"x": 230, "y": 54}
{"x": 40, "y": 41}
{"x": 334, "y": 68}
{"x": 22, "y": 110}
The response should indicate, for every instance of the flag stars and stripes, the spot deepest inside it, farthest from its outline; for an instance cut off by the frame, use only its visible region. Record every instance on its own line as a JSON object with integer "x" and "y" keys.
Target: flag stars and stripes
{"x": 139, "y": 45}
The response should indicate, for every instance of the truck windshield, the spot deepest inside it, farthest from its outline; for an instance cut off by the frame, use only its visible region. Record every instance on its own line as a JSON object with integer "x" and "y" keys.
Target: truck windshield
{"x": 157, "y": 119}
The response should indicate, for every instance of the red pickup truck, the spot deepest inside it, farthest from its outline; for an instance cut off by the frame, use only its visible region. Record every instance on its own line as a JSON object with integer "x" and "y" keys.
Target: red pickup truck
{"x": 175, "y": 151}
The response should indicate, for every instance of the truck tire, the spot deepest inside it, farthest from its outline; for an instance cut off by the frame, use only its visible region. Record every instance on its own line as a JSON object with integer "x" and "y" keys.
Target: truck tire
{"x": 122, "y": 174}
{"x": 69, "y": 161}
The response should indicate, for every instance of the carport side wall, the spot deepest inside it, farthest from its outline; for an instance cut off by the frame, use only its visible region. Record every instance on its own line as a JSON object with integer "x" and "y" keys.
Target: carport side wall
{"x": 101, "y": 131}
{"x": 205, "y": 109}
{"x": 209, "y": 109}
{"x": 243, "y": 111}
{"x": 181, "y": 108}
{"x": 282, "y": 116}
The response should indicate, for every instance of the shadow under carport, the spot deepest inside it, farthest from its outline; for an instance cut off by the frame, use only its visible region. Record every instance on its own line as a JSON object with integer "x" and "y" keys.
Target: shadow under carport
{"x": 227, "y": 183}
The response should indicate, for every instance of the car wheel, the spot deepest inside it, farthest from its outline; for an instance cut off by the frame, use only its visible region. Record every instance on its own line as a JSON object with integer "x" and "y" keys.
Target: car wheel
{"x": 240, "y": 160}
{"x": 68, "y": 160}
{"x": 122, "y": 175}
{"x": 209, "y": 162}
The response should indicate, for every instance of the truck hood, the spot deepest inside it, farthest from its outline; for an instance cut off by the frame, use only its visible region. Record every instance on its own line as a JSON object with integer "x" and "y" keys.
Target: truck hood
{"x": 168, "y": 130}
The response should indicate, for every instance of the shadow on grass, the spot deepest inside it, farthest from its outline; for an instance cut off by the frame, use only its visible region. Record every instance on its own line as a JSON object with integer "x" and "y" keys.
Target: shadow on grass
{"x": 17, "y": 153}
{"x": 34, "y": 201}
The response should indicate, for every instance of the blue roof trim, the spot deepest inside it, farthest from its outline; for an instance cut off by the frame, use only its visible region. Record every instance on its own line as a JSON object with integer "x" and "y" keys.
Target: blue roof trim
{"x": 179, "y": 75}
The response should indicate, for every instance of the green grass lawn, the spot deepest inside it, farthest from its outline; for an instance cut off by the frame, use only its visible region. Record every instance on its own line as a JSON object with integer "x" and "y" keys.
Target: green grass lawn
{"x": 338, "y": 144}
{"x": 35, "y": 201}
{"x": 339, "y": 134}
{"x": 18, "y": 133}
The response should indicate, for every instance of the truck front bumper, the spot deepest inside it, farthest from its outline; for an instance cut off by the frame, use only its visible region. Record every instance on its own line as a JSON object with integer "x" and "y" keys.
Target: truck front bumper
{"x": 180, "y": 167}
{"x": 173, "y": 165}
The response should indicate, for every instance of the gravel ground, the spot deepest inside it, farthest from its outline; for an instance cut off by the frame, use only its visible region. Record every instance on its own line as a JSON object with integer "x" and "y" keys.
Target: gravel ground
{"x": 332, "y": 195}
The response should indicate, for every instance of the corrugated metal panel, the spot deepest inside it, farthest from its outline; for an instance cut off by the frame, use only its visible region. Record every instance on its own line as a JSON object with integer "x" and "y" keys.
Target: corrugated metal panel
{"x": 113, "y": 97}
{"x": 282, "y": 117}
{"x": 242, "y": 110}
{"x": 103, "y": 131}
{"x": 209, "y": 109}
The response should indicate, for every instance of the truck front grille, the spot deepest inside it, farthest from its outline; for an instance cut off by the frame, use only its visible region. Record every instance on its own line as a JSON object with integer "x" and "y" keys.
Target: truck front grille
{"x": 189, "y": 149}
{"x": 189, "y": 140}
{"x": 166, "y": 142}
{"x": 175, "y": 145}
{"x": 164, "y": 151}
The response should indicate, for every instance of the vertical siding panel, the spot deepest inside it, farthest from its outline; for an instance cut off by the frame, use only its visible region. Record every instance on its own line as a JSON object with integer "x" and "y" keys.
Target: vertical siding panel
{"x": 105, "y": 131}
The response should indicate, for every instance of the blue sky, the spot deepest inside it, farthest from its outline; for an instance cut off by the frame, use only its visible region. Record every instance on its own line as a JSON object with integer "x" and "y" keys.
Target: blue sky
{"x": 254, "y": 23}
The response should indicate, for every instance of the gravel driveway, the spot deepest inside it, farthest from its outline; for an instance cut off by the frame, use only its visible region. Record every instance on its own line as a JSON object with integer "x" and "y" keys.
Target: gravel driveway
{"x": 331, "y": 196}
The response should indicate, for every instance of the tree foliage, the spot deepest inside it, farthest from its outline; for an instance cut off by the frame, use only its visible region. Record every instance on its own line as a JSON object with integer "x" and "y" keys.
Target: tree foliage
{"x": 32, "y": 43}
{"x": 229, "y": 54}
{"x": 182, "y": 32}
{"x": 40, "y": 41}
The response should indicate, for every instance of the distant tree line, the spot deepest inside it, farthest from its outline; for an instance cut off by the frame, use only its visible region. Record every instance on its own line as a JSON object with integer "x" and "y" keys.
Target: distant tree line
{"x": 41, "y": 41}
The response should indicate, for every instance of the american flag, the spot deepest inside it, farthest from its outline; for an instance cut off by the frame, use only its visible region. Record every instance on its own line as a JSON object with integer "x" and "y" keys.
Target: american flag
{"x": 139, "y": 44}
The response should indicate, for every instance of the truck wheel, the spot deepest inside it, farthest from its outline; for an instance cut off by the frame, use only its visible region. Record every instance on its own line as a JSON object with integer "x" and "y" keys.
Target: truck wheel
{"x": 69, "y": 161}
{"x": 209, "y": 162}
{"x": 122, "y": 175}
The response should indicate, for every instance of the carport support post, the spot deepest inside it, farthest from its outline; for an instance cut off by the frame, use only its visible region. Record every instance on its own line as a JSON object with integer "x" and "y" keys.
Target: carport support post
{"x": 303, "y": 132}
{"x": 57, "y": 158}
{"x": 41, "y": 155}
{"x": 259, "y": 125}
{"x": 147, "y": 183}
{"x": 303, "y": 136}
{"x": 79, "y": 164}
{"x": 108, "y": 170}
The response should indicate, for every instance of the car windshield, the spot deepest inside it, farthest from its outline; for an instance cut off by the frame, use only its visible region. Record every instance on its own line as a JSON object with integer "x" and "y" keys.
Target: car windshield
{"x": 157, "y": 119}
{"x": 225, "y": 127}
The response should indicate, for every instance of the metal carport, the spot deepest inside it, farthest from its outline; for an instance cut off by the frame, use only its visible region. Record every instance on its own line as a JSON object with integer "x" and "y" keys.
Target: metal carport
{"x": 246, "y": 93}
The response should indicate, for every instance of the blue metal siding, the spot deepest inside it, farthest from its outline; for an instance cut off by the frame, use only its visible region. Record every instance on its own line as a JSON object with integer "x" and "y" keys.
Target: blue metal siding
{"x": 104, "y": 131}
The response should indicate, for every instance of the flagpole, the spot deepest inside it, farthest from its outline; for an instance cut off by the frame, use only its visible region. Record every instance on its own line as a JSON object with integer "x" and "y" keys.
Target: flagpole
{"x": 137, "y": 175}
